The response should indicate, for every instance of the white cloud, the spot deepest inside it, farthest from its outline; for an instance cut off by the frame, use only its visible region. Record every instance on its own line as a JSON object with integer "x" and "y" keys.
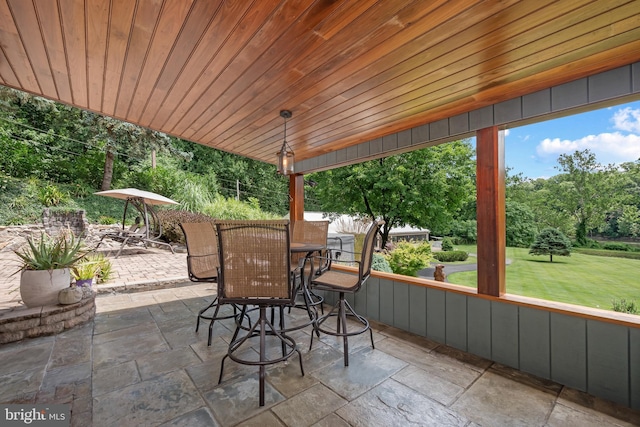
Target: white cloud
{"x": 627, "y": 120}
{"x": 608, "y": 147}
{"x": 616, "y": 147}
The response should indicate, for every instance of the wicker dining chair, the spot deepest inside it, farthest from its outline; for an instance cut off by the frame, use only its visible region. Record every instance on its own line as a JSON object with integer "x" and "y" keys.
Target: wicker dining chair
{"x": 343, "y": 283}
{"x": 255, "y": 270}
{"x": 202, "y": 266}
{"x": 315, "y": 232}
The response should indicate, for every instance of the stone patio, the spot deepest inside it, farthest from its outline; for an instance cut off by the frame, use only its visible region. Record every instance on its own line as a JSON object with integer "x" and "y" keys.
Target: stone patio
{"x": 140, "y": 362}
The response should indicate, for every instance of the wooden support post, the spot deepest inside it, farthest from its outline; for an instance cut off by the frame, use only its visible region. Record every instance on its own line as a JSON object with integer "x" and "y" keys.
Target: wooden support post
{"x": 296, "y": 197}
{"x": 490, "y": 176}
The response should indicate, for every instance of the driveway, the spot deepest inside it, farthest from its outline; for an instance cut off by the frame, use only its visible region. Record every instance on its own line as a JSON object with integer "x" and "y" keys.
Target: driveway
{"x": 449, "y": 268}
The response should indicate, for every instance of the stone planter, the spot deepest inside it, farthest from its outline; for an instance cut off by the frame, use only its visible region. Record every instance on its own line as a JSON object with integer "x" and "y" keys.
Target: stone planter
{"x": 41, "y": 287}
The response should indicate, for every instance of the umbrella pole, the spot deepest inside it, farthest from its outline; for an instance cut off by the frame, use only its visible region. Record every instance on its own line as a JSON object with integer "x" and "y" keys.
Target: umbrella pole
{"x": 146, "y": 219}
{"x": 124, "y": 216}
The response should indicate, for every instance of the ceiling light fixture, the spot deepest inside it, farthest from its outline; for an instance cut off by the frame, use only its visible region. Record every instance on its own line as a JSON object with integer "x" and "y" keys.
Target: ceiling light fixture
{"x": 285, "y": 155}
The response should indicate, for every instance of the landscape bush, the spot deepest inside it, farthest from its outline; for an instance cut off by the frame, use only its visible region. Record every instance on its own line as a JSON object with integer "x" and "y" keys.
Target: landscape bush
{"x": 447, "y": 244}
{"x": 230, "y": 208}
{"x": 606, "y": 253}
{"x": 612, "y": 246}
{"x": 408, "y": 258}
{"x": 624, "y": 306}
{"x": 380, "y": 263}
{"x": 107, "y": 220}
{"x": 451, "y": 256}
{"x": 170, "y": 220}
{"x": 50, "y": 195}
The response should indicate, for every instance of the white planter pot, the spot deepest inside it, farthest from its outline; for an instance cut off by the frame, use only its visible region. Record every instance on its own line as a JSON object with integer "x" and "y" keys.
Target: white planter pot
{"x": 41, "y": 287}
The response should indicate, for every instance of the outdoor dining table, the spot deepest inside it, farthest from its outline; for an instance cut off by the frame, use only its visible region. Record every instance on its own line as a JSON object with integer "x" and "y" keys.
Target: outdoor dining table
{"x": 308, "y": 249}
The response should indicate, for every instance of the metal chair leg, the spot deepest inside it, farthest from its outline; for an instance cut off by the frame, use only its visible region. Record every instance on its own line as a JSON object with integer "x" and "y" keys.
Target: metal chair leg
{"x": 341, "y": 310}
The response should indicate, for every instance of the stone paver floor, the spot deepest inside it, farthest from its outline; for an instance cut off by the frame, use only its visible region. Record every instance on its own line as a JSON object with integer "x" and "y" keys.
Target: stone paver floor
{"x": 140, "y": 363}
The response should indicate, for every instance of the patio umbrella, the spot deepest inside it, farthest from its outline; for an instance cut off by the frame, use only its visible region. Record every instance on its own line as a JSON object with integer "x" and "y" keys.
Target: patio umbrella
{"x": 147, "y": 197}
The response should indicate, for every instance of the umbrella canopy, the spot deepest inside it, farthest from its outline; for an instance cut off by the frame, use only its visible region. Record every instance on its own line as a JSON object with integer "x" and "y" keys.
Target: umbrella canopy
{"x": 148, "y": 197}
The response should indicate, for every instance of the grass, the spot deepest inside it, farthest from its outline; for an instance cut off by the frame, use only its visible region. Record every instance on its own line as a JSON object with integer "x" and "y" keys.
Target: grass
{"x": 19, "y": 203}
{"x": 587, "y": 280}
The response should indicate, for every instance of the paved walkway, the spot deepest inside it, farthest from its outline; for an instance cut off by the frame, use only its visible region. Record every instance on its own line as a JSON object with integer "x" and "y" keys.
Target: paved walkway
{"x": 134, "y": 269}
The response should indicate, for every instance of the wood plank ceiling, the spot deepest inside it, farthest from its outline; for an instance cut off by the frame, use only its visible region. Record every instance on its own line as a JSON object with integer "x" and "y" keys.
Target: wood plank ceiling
{"x": 218, "y": 72}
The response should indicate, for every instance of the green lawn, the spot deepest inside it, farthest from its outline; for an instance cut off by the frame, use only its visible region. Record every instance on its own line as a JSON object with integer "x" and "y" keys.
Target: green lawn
{"x": 587, "y": 280}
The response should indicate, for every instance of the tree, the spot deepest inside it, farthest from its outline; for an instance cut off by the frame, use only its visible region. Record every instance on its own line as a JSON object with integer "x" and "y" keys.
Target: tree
{"x": 583, "y": 190}
{"x": 520, "y": 224}
{"x": 122, "y": 137}
{"x": 551, "y": 242}
{"x": 423, "y": 188}
{"x": 540, "y": 196}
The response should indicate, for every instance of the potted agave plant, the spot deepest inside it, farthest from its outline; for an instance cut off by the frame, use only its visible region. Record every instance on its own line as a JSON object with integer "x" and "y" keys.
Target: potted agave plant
{"x": 45, "y": 270}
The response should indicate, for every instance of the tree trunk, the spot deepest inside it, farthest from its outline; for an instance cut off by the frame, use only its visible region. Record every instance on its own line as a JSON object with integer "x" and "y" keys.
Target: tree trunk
{"x": 384, "y": 236}
{"x": 550, "y": 257}
{"x": 581, "y": 232}
{"x": 108, "y": 170}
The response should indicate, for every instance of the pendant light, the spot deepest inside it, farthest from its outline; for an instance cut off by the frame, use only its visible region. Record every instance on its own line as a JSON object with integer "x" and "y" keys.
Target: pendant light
{"x": 285, "y": 155}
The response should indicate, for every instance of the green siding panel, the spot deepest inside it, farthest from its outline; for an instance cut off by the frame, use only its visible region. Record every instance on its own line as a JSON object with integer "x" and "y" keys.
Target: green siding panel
{"x": 386, "y": 302}
{"x": 418, "y": 310}
{"x": 535, "y": 342}
{"x": 479, "y": 327}
{"x": 504, "y": 336}
{"x": 401, "y": 305}
{"x": 360, "y": 300}
{"x": 350, "y": 298}
{"x": 607, "y": 361}
{"x": 634, "y": 367}
{"x": 569, "y": 350}
{"x": 456, "y": 323}
{"x": 372, "y": 292}
{"x": 436, "y": 315}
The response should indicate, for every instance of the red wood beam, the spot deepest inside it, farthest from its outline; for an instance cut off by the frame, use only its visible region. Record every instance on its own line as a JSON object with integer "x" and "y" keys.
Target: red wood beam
{"x": 296, "y": 197}
{"x": 490, "y": 176}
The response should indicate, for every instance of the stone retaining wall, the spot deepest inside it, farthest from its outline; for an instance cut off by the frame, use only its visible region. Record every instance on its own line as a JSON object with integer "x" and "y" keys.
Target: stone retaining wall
{"x": 48, "y": 320}
{"x": 56, "y": 221}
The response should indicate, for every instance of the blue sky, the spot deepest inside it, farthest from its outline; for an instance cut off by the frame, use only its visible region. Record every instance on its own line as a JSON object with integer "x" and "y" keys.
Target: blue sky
{"x": 613, "y": 134}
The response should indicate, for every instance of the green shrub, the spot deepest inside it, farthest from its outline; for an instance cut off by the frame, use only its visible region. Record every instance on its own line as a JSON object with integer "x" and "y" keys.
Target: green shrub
{"x": 107, "y": 220}
{"x": 625, "y": 306}
{"x": 233, "y": 209}
{"x": 590, "y": 243}
{"x": 447, "y": 244}
{"x": 50, "y": 195}
{"x": 80, "y": 191}
{"x": 380, "y": 263}
{"x": 171, "y": 219}
{"x": 409, "y": 258}
{"x": 451, "y": 256}
{"x": 612, "y": 246}
{"x": 194, "y": 196}
{"x": 610, "y": 254}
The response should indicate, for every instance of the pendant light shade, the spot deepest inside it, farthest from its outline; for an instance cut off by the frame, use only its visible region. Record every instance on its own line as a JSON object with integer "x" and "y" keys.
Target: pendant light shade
{"x": 286, "y": 157}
